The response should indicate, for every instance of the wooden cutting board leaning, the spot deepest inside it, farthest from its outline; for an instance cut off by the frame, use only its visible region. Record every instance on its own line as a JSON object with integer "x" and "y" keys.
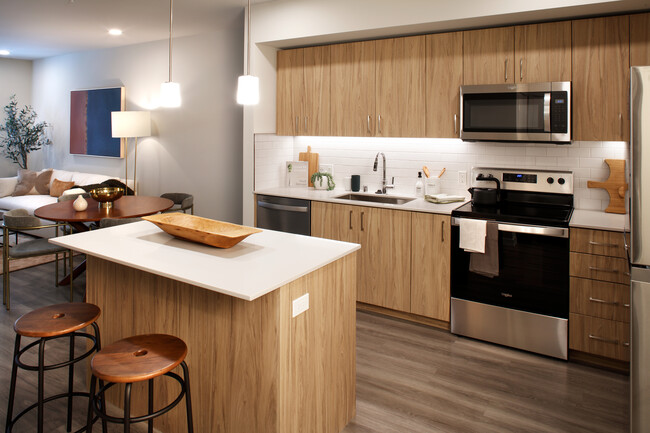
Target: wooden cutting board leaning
{"x": 615, "y": 185}
{"x": 312, "y": 160}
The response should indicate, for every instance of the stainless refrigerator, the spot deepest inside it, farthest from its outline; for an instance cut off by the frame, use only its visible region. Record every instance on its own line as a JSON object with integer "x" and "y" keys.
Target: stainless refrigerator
{"x": 640, "y": 249}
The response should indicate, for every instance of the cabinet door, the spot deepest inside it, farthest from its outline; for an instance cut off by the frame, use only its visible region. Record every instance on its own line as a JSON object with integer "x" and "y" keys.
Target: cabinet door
{"x": 334, "y": 221}
{"x": 543, "y": 52}
{"x": 640, "y": 39}
{"x": 488, "y": 56}
{"x": 353, "y": 89}
{"x": 399, "y": 69}
{"x": 444, "y": 75}
{"x": 290, "y": 90}
{"x": 430, "y": 265}
{"x": 384, "y": 277}
{"x": 316, "y": 115}
{"x": 600, "y": 76}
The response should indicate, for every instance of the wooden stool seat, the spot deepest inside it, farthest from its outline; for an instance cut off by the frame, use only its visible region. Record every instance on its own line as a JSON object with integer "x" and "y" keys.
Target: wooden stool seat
{"x": 138, "y": 358}
{"x": 56, "y": 320}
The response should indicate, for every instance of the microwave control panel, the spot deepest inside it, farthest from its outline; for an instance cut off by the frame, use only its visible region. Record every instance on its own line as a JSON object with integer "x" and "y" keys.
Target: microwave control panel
{"x": 559, "y": 108}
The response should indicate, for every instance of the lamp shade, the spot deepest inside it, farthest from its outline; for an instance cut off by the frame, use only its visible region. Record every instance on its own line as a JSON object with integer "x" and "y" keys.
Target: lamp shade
{"x": 131, "y": 123}
{"x": 170, "y": 94}
{"x": 248, "y": 90}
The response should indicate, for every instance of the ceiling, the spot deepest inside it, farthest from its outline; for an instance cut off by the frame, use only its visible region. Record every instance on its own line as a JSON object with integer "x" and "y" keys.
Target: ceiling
{"x": 33, "y": 29}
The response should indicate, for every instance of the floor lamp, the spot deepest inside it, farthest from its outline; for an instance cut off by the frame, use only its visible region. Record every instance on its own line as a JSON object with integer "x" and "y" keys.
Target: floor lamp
{"x": 126, "y": 124}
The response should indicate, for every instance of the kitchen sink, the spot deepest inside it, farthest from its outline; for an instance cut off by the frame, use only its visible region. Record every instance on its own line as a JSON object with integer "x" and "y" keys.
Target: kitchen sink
{"x": 376, "y": 198}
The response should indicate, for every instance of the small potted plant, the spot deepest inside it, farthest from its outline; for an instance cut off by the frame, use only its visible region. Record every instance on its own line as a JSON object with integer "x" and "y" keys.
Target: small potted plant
{"x": 318, "y": 179}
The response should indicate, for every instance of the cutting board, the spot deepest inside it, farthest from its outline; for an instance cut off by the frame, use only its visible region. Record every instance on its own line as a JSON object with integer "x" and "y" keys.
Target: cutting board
{"x": 615, "y": 185}
{"x": 312, "y": 160}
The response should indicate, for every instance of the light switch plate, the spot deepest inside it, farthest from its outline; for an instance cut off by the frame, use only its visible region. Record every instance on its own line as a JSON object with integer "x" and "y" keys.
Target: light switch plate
{"x": 326, "y": 168}
{"x": 300, "y": 305}
{"x": 462, "y": 177}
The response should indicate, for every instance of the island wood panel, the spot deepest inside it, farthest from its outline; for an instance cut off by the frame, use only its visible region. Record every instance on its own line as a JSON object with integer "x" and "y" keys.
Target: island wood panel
{"x": 488, "y": 56}
{"x": 290, "y": 91}
{"x": 352, "y": 72}
{"x": 603, "y": 268}
{"x": 640, "y": 39}
{"x": 430, "y": 265}
{"x": 251, "y": 364}
{"x": 444, "y": 76}
{"x": 316, "y": 105}
{"x": 599, "y": 336}
{"x": 599, "y": 242}
{"x": 543, "y": 52}
{"x": 399, "y": 104}
{"x": 600, "y": 299}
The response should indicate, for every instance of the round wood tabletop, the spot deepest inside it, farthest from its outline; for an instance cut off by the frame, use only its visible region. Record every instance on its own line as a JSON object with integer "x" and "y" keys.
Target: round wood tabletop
{"x": 59, "y": 319}
{"x": 138, "y": 358}
{"x": 125, "y": 207}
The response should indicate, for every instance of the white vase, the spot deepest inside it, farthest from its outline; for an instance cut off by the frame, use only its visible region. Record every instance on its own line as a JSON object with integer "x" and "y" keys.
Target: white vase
{"x": 80, "y": 204}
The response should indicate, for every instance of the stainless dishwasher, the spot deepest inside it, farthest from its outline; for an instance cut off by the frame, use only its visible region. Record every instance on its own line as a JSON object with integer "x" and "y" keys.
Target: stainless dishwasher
{"x": 284, "y": 214}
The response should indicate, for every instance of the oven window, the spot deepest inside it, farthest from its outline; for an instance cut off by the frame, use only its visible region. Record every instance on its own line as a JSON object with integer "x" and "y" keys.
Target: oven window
{"x": 504, "y": 112}
{"x": 533, "y": 274}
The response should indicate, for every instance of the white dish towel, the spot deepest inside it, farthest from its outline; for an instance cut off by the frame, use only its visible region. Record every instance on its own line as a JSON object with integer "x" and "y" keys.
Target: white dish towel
{"x": 472, "y": 235}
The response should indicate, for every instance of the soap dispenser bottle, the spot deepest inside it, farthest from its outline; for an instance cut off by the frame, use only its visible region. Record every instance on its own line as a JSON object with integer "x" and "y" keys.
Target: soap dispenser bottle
{"x": 419, "y": 186}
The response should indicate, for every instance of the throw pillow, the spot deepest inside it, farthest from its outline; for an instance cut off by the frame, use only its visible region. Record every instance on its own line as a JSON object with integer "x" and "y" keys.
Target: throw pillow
{"x": 42, "y": 184}
{"x": 26, "y": 181}
{"x": 58, "y": 186}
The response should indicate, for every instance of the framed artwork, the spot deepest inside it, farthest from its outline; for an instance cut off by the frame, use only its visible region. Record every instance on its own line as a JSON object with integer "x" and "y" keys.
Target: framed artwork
{"x": 90, "y": 122}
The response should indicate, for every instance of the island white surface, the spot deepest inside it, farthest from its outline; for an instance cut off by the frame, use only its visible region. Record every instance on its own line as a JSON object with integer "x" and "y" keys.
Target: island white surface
{"x": 254, "y": 267}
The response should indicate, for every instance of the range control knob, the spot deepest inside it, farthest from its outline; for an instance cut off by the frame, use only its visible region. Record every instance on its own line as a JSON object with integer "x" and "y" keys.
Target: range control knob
{"x": 549, "y": 180}
{"x": 561, "y": 181}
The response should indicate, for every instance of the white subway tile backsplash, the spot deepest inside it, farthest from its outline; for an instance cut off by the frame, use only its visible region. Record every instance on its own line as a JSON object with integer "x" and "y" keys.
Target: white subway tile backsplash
{"x": 405, "y": 157}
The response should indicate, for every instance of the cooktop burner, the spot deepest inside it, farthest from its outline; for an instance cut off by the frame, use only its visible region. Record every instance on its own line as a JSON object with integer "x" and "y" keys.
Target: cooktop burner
{"x": 557, "y": 216}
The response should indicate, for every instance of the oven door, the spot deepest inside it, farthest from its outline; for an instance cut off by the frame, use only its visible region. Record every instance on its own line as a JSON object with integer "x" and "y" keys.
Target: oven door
{"x": 533, "y": 271}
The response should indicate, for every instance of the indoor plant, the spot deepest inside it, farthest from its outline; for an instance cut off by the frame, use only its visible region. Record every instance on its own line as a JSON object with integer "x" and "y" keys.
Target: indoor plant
{"x": 317, "y": 180}
{"x": 21, "y": 133}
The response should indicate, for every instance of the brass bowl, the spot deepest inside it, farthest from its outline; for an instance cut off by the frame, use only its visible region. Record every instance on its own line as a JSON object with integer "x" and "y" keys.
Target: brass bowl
{"x": 106, "y": 196}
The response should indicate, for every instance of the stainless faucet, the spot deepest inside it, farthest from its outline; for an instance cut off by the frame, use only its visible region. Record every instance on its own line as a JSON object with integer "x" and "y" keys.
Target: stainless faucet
{"x": 383, "y": 177}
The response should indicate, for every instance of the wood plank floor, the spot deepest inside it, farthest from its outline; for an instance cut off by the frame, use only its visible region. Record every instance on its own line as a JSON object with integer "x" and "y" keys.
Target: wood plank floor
{"x": 410, "y": 378}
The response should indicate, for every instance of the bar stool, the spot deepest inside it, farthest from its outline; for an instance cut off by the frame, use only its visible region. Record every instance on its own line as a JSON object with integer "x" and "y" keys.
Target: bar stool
{"x": 47, "y": 324}
{"x": 136, "y": 359}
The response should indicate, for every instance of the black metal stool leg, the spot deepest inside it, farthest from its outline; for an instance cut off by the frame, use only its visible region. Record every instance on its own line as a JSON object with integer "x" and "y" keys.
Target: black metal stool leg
{"x": 91, "y": 406}
{"x": 98, "y": 341}
{"x": 41, "y": 382}
{"x": 12, "y": 387}
{"x": 150, "y": 422}
{"x": 70, "y": 384}
{"x": 188, "y": 399}
{"x": 127, "y": 408}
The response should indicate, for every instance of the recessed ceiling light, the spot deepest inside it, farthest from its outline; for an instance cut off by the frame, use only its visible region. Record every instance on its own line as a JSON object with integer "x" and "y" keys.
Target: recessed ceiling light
{"x": 4, "y": 52}
{"x": 115, "y": 32}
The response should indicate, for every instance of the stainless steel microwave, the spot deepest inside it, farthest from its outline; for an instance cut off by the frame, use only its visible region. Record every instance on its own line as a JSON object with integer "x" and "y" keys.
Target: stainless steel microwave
{"x": 537, "y": 112}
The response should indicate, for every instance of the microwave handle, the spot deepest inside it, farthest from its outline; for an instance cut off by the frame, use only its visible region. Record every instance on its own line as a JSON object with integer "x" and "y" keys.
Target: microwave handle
{"x": 547, "y": 112}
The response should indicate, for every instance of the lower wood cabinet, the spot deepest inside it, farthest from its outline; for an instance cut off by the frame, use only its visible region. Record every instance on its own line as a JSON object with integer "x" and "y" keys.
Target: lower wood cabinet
{"x": 404, "y": 262}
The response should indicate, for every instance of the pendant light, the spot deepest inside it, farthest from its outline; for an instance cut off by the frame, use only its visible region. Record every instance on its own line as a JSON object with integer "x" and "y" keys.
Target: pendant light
{"x": 170, "y": 92}
{"x": 248, "y": 86}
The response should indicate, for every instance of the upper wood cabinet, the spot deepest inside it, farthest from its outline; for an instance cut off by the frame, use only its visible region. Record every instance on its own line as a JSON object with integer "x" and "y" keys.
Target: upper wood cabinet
{"x": 303, "y": 89}
{"x": 444, "y": 75}
{"x": 640, "y": 39}
{"x": 601, "y": 77}
{"x": 543, "y": 52}
{"x": 488, "y": 56}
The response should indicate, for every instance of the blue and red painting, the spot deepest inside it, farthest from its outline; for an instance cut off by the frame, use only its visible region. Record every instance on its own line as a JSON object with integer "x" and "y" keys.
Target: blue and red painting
{"x": 90, "y": 121}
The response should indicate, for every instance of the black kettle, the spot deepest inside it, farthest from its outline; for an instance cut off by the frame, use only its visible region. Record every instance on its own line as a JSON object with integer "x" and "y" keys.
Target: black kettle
{"x": 486, "y": 196}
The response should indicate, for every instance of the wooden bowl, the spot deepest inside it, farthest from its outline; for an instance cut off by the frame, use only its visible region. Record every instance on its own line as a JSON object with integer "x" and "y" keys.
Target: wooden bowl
{"x": 203, "y": 230}
{"x": 106, "y": 196}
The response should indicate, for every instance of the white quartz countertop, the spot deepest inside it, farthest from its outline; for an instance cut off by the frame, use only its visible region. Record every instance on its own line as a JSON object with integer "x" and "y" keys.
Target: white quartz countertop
{"x": 254, "y": 267}
{"x": 599, "y": 220}
{"x": 417, "y": 205}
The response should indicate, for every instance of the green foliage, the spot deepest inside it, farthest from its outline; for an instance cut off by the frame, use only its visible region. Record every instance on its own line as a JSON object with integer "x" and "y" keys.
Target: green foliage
{"x": 21, "y": 134}
{"x": 317, "y": 176}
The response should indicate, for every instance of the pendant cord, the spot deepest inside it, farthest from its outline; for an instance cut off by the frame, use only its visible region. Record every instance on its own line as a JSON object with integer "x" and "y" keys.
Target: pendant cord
{"x": 248, "y": 50}
{"x": 171, "y": 2}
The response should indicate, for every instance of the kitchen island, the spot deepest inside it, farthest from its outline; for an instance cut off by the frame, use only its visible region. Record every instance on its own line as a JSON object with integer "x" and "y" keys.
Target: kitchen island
{"x": 257, "y": 363}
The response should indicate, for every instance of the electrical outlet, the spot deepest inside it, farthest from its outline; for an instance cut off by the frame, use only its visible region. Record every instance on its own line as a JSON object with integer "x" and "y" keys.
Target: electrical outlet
{"x": 462, "y": 177}
{"x": 300, "y": 305}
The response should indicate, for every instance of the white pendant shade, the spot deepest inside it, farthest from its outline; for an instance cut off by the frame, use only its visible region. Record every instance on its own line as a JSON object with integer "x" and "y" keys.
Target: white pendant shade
{"x": 248, "y": 90}
{"x": 130, "y": 123}
{"x": 170, "y": 94}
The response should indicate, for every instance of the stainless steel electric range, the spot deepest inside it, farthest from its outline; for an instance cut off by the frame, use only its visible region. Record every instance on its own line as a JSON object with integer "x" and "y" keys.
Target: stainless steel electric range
{"x": 525, "y": 302}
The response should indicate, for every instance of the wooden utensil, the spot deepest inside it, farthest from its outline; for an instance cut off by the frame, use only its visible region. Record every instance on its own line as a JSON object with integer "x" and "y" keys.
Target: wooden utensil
{"x": 312, "y": 159}
{"x": 442, "y": 172}
{"x": 425, "y": 169}
{"x": 615, "y": 185}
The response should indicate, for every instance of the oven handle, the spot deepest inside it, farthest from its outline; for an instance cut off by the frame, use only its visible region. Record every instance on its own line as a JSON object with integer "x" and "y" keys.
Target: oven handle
{"x": 556, "y": 232}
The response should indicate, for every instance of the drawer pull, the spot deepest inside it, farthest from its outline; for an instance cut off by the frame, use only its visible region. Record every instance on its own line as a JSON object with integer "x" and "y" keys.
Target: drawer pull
{"x": 600, "y": 244}
{"x": 626, "y": 344}
{"x": 613, "y": 271}
{"x": 604, "y": 340}
{"x": 602, "y": 301}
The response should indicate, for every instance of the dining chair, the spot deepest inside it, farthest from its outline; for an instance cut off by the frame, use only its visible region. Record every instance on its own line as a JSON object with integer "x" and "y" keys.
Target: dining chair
{"x": 21, "y": 220}
{"x": 182, "y": 202}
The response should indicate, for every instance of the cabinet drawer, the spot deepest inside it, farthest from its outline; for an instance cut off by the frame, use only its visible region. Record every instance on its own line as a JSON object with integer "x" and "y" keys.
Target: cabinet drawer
{"x": 601, "y": 268}
{"x": 600, "y": 242}
{"x": 599, "y": 336}
{"x": 600, "y": 299}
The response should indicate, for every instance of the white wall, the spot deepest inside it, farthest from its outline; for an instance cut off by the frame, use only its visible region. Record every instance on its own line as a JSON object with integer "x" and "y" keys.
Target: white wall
{"x": 16, "y": 79}
{"x": 196, "y": 148}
